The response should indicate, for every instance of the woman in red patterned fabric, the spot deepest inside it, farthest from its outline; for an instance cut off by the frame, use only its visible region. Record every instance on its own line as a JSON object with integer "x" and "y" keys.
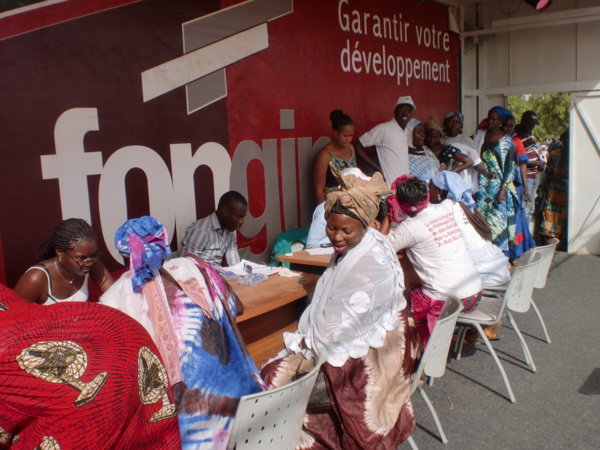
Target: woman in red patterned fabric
{"x": 80, "y": 375}
{"x": 555, "y": 213}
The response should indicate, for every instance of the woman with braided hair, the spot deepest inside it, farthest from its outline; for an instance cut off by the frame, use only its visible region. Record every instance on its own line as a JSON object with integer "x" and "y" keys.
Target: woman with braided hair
{"x": 70, "y": 259}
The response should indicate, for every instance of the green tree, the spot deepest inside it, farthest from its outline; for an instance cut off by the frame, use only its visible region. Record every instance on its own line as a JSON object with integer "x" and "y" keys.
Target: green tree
{"x": 552, "y": 110}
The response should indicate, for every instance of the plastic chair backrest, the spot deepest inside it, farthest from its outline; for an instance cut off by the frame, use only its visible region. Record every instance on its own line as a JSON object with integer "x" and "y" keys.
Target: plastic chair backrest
{"x": 525, "y": 258}
{"x": 520, "y": 287}
{"x": 433, "y": 361}
{"x": 547, "y": 253}
{"x": 273, "y": 419}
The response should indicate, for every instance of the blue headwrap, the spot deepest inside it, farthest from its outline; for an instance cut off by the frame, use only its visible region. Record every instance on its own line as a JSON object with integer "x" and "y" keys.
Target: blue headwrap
{"x": 458, "y": 189}
{"x": 145, "y": 242}
{"x": 500, "y": 111}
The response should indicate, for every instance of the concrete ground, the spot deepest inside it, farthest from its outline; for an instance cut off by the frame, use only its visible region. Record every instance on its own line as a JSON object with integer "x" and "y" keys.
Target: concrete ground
{"x": 558, "y": 407}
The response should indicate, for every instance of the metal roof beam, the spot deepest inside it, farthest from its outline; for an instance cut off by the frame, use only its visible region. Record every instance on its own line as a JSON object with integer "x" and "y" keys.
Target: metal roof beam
{"x": 542, "y": 21}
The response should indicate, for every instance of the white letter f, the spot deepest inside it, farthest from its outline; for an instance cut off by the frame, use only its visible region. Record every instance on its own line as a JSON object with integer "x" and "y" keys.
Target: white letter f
{"x": 71, "y": 164}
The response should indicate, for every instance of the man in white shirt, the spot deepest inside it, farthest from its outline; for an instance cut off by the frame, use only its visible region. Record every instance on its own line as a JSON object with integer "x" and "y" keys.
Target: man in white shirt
{"x": 213, "y": 237}
{"x": 391, "y": 142}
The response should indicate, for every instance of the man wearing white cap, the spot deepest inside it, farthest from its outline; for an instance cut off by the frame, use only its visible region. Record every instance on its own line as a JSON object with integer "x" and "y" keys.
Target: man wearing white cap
{"x": 391, "y": 142}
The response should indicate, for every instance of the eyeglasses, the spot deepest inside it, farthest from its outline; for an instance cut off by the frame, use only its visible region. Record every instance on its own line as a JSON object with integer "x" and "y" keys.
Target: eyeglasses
{"x": 81, "y": 260}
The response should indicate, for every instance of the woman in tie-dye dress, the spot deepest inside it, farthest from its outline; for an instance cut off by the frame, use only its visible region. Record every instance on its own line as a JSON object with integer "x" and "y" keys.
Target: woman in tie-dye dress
{"x": 190, "y": 312}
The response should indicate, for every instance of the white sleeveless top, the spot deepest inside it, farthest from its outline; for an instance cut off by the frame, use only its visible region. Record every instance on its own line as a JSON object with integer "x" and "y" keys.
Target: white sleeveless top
{"x": 80, "y": 296}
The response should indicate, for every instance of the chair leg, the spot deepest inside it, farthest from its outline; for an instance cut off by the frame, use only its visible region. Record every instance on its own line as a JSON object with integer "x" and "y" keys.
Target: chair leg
{"x": 434, "y": 414}
{"x": 542, "y": 323}
{"x": 458, "y": 333}
{"x": 460, "y": 340}
{"x": 497, "y": 361}
{"x": 455, "y": 346}
{"x": 412, "y": 443}
{"x": 524, "y": 346}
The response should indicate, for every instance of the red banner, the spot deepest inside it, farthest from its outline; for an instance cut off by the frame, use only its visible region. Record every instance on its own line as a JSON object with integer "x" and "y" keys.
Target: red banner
{"x": 46, "y": 13}
{"x": 159, "y": 106}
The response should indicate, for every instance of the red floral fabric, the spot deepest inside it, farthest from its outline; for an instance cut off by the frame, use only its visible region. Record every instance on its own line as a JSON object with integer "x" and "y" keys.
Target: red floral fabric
{"x": 80, "y": 375}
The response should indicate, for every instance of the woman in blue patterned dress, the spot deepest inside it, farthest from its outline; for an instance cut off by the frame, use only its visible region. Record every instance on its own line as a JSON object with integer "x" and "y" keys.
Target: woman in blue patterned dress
{"x": 497, "y": 199}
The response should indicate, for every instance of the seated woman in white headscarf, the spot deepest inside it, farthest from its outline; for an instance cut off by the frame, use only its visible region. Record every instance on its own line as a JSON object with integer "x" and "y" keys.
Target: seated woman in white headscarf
{"x": 189, "y": 311}
{"x": 452, "y": 191}
{"x": 358, "y": 319}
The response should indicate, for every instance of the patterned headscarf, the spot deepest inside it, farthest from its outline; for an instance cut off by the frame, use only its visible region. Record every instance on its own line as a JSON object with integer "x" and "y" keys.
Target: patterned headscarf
{"x": 397, "y": 215}
{"x": 457, "y": 114}
{"x": 433, "y": 124}
{"x": 145, "y": 242}
{"x": 357, "y": 195}
{"x": 409, "y": 208}
{"x": 458, "y": 190}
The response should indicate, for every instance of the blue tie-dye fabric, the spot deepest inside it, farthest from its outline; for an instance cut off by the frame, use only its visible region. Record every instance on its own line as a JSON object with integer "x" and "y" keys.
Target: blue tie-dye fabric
{"x": 215, "y": 367}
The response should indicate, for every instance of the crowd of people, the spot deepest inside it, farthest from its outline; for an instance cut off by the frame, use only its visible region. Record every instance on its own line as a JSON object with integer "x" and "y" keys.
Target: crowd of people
{"x": 459, "y": 208}
{"x": 518, "y": 188}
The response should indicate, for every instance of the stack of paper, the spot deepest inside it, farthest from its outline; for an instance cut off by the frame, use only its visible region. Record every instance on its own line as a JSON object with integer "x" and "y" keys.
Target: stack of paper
{"x": 244, "y": 267}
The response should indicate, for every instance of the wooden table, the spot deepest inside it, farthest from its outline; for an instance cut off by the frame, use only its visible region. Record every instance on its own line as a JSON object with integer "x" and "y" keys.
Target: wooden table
{"x": 305, "y": 262}
{"x": 270, "y": 308}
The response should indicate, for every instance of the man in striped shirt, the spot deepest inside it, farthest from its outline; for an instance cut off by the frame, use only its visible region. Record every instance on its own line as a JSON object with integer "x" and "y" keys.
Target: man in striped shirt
{"x": 213, "y": 237}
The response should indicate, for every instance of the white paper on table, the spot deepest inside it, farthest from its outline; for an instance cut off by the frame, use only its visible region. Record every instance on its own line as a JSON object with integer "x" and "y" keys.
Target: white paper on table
{"x": 320, "y": 251}
{"x": 238, "y": 268}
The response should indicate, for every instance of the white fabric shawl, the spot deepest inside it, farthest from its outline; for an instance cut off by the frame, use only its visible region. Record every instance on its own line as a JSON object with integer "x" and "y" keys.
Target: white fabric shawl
{"x": 356, "y": 302}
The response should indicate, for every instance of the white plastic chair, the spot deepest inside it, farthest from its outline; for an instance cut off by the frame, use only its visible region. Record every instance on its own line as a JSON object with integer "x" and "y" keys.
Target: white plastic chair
{"x": 547, "y": 253}
{"x": 433, "y": 361}
{"x": 273, "y": 419}
{"x": 493, "y": 306}
{"x": 489, "y": 311}
{"x": 520, "y": 298}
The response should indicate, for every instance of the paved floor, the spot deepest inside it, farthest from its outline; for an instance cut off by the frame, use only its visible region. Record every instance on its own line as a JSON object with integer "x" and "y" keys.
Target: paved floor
{"x": 559, "y": 406}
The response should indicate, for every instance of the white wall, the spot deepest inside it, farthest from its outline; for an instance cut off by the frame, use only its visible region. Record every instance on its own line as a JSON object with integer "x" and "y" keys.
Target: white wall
{"x": 518, "y": 54}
